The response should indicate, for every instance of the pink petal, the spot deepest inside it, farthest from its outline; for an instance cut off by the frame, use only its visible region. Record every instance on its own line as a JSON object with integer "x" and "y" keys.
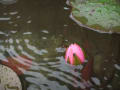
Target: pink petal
{"x": 74, "y": 49}
{"x": 79, "y": 53}
{"x": 69, "y": 54}
{"x": 71, "y": 58}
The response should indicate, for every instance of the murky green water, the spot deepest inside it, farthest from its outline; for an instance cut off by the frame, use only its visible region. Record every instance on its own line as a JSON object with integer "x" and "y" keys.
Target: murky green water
{"x": 33, "y": 38}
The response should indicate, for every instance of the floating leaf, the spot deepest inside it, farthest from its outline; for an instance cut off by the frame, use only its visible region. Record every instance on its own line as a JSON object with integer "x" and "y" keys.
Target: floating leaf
{"x": 100, "y": 15}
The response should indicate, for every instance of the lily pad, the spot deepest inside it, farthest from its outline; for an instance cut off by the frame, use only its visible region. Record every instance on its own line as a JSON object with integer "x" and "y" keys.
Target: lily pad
{"x": 99, "y": 15}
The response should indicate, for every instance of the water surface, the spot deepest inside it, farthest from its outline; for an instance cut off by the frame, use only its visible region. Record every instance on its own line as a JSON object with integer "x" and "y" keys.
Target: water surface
{"x": 33, "y": 39}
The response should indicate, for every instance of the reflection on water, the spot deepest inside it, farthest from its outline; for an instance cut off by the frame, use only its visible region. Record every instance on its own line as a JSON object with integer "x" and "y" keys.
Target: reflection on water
{"x": 8, "y": 2}
{"x": 33, "y": 38}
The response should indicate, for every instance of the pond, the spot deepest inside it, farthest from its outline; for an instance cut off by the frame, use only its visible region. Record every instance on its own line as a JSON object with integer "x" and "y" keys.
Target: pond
{"x": 34, "y": 35}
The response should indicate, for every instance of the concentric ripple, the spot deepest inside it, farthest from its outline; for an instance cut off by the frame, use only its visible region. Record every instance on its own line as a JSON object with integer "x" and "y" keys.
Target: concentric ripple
{"x": 33, "y": 39}
{"x": 42, "y": 66}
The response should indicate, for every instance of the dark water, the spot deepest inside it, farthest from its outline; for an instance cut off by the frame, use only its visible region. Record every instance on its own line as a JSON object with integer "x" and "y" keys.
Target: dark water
{"x": 33, "y": 38}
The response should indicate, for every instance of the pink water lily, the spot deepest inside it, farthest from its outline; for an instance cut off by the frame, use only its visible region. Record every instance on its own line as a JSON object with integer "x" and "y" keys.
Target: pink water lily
{"x": 73, "y": 51}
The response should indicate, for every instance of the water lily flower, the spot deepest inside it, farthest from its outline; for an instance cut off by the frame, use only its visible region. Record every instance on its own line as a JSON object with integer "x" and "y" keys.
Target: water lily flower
{"x": 74, "y": 54}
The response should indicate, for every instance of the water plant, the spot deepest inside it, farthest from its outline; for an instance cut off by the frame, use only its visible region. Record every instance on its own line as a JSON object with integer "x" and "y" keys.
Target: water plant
{"x": 74, "y": 54}
{"x": 98, "y": 15}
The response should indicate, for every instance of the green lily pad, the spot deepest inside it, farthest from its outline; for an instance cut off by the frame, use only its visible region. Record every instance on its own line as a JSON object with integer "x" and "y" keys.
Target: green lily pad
{"x": 100, "y": 15}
